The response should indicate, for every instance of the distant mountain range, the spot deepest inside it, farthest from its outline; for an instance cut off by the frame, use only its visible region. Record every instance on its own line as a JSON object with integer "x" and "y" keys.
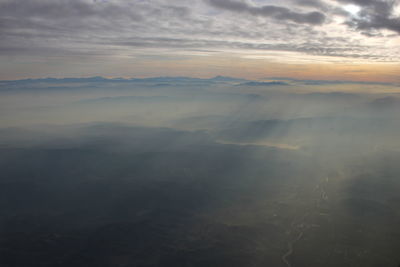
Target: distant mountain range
{"x": 103, "y": 79}
{"x": 166, "y": 80}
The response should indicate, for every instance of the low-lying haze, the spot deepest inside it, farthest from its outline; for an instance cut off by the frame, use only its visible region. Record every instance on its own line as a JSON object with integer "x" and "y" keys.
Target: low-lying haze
{"x": 177, "y": 171}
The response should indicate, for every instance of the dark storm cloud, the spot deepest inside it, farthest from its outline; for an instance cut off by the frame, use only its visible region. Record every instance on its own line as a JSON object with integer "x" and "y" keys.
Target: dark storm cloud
{"x": 276, "y": 12}
{"x": 375, "y": 15}
{"x": 377, "y": 23}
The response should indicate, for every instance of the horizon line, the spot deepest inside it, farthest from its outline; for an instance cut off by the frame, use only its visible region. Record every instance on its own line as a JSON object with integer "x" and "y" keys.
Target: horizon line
{"x": 279, "y": 78}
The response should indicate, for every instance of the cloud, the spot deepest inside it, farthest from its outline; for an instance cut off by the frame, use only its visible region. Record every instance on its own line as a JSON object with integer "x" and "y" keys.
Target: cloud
{"x": 276, "y": 12}
{"x": 68, "y": 30}
{"x": 375, "y": 15}
{"x": 65, "y": 10}
{"x": 311, "y": 3}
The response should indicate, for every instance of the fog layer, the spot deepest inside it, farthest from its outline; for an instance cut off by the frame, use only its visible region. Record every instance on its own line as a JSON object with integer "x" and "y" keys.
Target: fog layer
{"x": 199, "y": 172}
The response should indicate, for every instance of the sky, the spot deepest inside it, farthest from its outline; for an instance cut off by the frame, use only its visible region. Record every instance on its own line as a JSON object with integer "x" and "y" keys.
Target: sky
{"x": 305, "y": 39}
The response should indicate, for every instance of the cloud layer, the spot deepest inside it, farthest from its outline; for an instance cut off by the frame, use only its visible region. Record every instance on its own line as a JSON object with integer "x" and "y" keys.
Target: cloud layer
{"x": 319, "y": 29}
{"x": 276, "y": 12}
